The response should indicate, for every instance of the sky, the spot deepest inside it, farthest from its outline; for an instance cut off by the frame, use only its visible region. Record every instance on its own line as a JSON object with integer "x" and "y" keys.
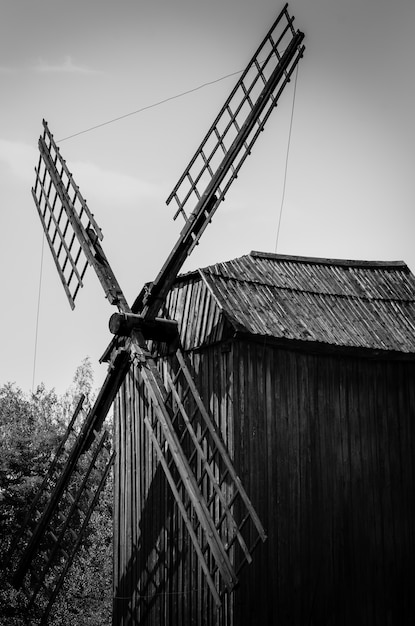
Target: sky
{"x": 349, "y": 185}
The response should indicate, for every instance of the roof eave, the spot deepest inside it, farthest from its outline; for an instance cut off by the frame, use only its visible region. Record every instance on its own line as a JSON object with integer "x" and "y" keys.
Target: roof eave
{"x": 318, "y": 347}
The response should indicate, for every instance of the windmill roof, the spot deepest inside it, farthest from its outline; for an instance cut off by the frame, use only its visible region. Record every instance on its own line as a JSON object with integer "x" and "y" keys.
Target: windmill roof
{"x": 331, "y": 302}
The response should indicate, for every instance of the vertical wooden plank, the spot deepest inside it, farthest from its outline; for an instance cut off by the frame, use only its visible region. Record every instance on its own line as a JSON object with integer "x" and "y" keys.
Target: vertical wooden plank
{"x": 339, "y": 511}
{"x": 294, "y": 478}
{"x": 271, "y": 417}
{"x": 343, "y": 485}
{"x": 409, "y": 438}
{"x": 116, "y": 520}
{"x": 394, "y": 452}
{"x": 364, "y": 372}
{"x": 118, "y": 474}
{"x": 305, "y": 503}
{"x": 367, "y": 376}
{"x": 127, "y": 574}
{"x": 258, "y": 462}
{"x": 282, "y": 482}
{"x": 387, "y": 472}
{"x": 323, "y": 478}
{"x": 229, "y": 418}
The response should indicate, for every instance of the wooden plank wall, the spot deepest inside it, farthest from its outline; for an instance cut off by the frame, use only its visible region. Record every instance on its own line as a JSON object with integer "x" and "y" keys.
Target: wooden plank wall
{"x": 159, "y": 580}
{"x": 325, "y": 445}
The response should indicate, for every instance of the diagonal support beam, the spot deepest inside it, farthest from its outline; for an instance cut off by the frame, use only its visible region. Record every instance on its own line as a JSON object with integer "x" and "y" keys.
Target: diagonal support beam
{"x": 158, "y": 394}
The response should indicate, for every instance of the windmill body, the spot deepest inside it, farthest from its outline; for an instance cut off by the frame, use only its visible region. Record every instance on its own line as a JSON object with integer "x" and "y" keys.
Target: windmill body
{"x": 312, "y": 388}
{"x": 186, "y": 445}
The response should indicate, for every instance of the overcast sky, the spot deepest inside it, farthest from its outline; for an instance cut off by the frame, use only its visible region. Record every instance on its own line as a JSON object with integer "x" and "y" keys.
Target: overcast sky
{"x": 350, "y": 181}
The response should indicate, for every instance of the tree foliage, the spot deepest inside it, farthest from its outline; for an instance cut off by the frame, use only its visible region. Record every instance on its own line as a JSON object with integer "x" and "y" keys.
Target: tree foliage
{"x": 29, "y": 431}
{"x": 31, "y": 425}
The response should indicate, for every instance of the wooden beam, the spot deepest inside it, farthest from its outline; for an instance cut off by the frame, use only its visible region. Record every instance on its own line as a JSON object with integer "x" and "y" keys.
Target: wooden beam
{"x": 159, "y": 329}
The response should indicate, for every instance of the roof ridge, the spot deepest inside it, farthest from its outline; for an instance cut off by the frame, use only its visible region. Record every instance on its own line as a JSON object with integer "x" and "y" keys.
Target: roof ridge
{"x": 393, "y": 265}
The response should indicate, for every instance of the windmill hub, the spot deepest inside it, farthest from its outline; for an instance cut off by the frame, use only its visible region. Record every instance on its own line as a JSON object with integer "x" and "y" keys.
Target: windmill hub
{"x": 158, "y": 329}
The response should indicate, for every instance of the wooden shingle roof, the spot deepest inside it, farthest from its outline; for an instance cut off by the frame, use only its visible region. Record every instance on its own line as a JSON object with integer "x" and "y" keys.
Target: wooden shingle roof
{"x": 338, "y": 303}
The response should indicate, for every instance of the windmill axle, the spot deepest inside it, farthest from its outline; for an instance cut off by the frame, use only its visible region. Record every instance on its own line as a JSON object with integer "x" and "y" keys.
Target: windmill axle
{"x": 159, "y": 329}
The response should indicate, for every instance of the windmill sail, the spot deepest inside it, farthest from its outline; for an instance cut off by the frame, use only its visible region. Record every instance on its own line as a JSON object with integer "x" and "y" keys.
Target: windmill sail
{"x": 221, "y": 154}
{"x": 241, "y": 119}
{"x": 220, "y": 519}
{"x": 69, "y": 226}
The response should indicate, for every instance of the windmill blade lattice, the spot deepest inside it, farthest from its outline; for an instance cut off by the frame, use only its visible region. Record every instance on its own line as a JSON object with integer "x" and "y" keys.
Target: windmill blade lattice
{"x": 240, "y": 121}
{"x": 227, "y": 144}
{"x": 64, "y": 214}
{"x": 69, "y": 226}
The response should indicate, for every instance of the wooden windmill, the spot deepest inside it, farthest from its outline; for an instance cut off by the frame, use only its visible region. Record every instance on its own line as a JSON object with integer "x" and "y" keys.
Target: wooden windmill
{"x": 215, "y": 511}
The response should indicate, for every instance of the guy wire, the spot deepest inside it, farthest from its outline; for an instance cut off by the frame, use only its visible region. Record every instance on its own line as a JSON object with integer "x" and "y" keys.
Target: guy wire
{"x": 286, "y": 160}
{"x": 38, "y": 311}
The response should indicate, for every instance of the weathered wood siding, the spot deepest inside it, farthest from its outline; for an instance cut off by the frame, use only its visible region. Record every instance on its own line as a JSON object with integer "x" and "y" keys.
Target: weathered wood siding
{"x": 324, "y": 446}
{"x": 308, "y": 366}
{"x": 159, "y": 577}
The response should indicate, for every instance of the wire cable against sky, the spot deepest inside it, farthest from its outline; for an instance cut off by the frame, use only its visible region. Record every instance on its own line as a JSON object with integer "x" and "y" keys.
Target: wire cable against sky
{"x": 155, "y": 104}
{"x": 151, "y": 106}
{"x": 38, "y": 311}
{"x": 286, "y": 160}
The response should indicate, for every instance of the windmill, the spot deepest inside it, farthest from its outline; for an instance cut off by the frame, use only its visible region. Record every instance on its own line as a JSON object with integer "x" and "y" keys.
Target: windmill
{"x": 216, "y": 512}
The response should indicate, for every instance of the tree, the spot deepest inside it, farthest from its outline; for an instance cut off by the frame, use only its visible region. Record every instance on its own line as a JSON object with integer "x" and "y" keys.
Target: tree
{"x": 30, "y": 429}
{"x": 86, "y": 597}
{"x": 82, "y": 384}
